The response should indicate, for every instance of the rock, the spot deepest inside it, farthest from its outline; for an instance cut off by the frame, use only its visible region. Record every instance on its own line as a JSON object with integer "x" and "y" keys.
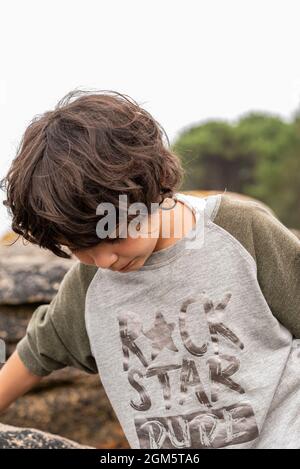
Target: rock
{"x": 30, "y": 438}
{"x": 30, "y": 283}
{"x": 29, "y": 274}
{"x": 72, "y": 404}
{"x": 13, "y": 323}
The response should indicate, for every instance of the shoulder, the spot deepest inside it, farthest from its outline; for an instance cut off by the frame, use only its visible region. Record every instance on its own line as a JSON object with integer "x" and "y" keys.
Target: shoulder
{"x": 246, "y": 220}
{"x": 245, "y": 217}
{"x": 67, "y": 314}
{"x": 230, "y": 210}
{"x": 80, "y": 275}
{"x": 68, "y": 307}
{"x": 255, "y": 226}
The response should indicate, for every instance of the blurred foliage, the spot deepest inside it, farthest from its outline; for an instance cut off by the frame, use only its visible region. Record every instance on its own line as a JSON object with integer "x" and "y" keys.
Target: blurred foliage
{"x": 259, "y": 156}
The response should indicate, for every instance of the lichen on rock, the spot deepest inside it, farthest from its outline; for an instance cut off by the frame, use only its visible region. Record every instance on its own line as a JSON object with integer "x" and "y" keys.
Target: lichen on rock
{"x": 29, "y": 438}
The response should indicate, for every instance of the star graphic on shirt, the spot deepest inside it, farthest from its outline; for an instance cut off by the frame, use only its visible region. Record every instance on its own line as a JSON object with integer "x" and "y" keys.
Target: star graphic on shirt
{"x": 161, "y": 335}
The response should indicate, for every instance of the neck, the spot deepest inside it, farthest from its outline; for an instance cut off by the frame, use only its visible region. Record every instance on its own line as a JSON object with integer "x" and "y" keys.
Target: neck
{"x": 175, "y": 223}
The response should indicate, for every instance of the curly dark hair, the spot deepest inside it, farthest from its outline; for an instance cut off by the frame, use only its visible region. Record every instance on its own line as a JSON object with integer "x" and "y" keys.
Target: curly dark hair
{"x": 91, "y": 148}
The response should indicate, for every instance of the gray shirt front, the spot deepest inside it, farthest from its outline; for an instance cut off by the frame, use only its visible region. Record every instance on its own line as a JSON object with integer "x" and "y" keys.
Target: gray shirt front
{"x": 188, "y": 350}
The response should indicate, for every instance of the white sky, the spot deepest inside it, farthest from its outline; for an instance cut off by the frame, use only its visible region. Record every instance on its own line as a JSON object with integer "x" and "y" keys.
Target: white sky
{"x": 184, "y": 61}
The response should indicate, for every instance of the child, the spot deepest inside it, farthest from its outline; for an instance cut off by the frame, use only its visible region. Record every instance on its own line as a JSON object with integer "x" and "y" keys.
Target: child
{"x": 194, "y": 336}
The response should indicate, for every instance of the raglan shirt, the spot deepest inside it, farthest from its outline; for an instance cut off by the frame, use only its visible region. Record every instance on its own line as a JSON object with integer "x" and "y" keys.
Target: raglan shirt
{"x": 199, "y": 347}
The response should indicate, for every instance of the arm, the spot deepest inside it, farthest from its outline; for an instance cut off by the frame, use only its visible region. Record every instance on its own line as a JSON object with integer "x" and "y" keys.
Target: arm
{"x": 56, "y": 336}
{"x": 276, "y": 251}
{"x": 15, "y": 380}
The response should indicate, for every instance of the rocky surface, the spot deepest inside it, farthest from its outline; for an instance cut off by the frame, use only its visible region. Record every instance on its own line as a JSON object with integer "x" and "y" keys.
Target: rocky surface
{"x": 29, "y": 274}
{"x": 30, "y": 438}
{"x": 70, "y": 403}
{"x": 13, "y": 323}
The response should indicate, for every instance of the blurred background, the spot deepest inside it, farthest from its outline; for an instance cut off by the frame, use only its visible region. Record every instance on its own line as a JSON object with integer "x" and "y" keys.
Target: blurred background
{"x": 221, "y": 77}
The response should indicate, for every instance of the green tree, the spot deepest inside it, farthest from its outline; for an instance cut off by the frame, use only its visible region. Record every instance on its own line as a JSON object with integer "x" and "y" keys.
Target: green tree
{"x": 212, "y": 158}
{"x": 259, "y": 155}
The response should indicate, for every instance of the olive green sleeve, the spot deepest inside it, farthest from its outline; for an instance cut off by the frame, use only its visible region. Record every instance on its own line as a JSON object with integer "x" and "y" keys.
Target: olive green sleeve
{"x": 56, "y": 336}
{"x": 276, "y": 251}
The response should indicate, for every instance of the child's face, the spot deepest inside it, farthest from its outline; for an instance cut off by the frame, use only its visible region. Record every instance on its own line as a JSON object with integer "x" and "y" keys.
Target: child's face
{"x": 137, "y": 248}
{"x": 116, "y": 255}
